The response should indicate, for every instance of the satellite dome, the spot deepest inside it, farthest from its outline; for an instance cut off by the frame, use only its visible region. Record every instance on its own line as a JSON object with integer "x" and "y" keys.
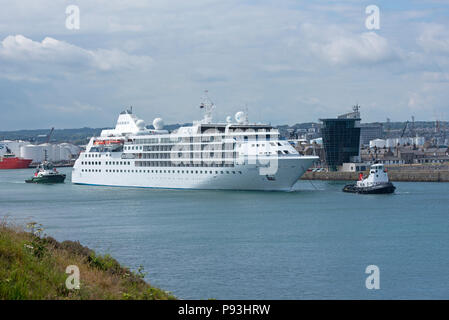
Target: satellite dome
{"x": 240, "y": 117}
{"x": 140, "y": 124}
{"x": 158, "y": 124}
{"x": 229, "y": 119}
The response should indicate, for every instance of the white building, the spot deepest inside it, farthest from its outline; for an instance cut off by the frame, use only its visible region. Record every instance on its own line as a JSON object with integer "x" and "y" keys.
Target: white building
{"x": 378, "y": 143}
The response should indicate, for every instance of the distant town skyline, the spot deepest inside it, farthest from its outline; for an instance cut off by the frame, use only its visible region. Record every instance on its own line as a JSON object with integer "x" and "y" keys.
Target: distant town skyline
{"x": 287, "y": 61}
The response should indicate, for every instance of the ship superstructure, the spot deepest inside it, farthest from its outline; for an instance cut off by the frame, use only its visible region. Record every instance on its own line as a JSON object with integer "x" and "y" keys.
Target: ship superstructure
{"x": 231, "y": 155}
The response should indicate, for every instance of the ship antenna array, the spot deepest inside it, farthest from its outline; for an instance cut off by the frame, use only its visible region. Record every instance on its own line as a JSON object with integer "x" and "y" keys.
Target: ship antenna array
{"x": 208, "y": 106}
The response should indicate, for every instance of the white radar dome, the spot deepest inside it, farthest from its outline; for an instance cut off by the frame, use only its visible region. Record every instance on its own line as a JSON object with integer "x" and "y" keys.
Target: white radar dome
{"x": 240, "y": 117}
{"x": 158, "y": 124}
{"x": 228, "y": 119}
{"x": 140, "y": 124}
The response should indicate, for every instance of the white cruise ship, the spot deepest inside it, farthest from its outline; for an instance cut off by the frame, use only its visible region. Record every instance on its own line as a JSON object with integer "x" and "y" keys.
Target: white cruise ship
{"x": 233, "y": 155}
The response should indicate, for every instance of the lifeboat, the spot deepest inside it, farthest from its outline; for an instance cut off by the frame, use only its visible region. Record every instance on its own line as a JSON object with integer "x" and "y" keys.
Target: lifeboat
{"x": 114, "y": 141}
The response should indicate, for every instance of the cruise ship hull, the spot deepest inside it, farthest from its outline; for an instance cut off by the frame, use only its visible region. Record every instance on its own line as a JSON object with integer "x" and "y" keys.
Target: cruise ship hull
{"x": 240, "y": 177}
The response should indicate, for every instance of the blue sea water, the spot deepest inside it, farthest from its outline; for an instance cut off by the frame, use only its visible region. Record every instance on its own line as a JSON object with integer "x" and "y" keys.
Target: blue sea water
{"x": 314, "y": 243}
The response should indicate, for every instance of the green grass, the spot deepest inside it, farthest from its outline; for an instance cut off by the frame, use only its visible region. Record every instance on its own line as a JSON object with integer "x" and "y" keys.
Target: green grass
{"x": 33, "y": 267}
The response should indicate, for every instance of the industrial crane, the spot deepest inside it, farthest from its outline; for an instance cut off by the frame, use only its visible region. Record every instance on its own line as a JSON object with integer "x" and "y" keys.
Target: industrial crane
{"x": 47, "y": 136}
{"x": 403, "y": 131}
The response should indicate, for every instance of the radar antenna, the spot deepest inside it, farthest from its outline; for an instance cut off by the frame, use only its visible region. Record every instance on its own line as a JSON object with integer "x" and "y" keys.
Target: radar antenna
{"x": 208, "y": 106}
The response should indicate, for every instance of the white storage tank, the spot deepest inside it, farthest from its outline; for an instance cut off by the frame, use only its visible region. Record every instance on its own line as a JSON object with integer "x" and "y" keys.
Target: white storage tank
{"x": 65, "y": 152}
{"x": 47, "y": 149}
{"x": 14, "y": 146}
{"x": 419, "y": 141}
{"x": 36, "y": 153}
{"x": 56, "y": 152}
{"x": 377, "y": 143}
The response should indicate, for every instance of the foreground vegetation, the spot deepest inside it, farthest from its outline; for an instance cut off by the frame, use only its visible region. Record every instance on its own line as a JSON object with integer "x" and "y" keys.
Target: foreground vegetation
{"x": 33, "y": 266}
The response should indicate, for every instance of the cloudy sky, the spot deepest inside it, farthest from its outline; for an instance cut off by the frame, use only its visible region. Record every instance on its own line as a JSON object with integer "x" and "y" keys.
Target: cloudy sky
{"x": 289, "y": 61}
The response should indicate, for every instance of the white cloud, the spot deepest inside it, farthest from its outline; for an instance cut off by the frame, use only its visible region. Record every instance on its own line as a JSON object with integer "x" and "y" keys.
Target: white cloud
{"x": 434, "y": 38}
{"x": 51, "y": 52}
{"x": 367, "y": 48}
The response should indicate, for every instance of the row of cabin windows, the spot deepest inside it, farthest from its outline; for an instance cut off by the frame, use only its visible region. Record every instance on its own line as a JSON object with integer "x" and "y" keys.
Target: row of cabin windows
{"x": 164, "y": 171}
{"x": 259, "y": 136}
{"x": 195, "y": 154}
{"x": 122, "y": 163}
{"x": 182, "y": 163}
{"x": 91, "y": 162}
{"x": 218, "y": 147}
{"x": 90, "y": 170}
{"x": 92, "y": 155}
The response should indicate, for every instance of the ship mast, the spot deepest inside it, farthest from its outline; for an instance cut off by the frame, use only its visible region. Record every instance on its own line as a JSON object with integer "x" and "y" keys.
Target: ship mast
{"x": 208, "y": 106}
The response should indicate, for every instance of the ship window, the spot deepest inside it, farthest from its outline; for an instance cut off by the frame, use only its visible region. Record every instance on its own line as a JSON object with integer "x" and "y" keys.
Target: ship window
{"x": 279, "y": 152}
{"x": 240, "y": 172}
{"x": 221, "y": 172}
{"x": 233, "y": 172}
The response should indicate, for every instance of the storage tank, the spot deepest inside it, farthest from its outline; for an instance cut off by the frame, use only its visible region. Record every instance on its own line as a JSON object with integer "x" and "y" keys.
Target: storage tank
{"x": 65, "y": 153}
{"x": 377, "y": 143}
{"x": 48, "y": 149}
{"x": 419, "y": 141}
{"x": 33, "y": 152}
{"x": 56, "y": 152}
{"x": 14, "y": 146}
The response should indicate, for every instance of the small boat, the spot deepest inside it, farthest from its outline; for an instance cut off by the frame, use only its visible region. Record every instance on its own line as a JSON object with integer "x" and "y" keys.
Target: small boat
{"x": 377, "y": 182}
{"x": 46, "y": 173}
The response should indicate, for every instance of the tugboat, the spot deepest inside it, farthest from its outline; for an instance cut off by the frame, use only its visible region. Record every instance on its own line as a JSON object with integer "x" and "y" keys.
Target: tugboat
{"x": 46, "y": 173}
{"x": 377, "y": 182}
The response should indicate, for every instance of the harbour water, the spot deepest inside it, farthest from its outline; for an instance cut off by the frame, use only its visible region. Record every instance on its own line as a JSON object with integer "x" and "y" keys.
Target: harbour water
{"x": 313, "y": 243}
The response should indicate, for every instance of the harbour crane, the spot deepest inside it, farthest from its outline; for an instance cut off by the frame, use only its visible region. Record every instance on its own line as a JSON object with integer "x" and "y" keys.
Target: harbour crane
{"x": 47, "y": 136}
{"x": 403, "y": 130}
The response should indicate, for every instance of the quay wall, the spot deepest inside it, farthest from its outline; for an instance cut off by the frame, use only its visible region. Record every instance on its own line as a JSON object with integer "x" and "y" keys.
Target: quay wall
{"x": 394, "y": 175}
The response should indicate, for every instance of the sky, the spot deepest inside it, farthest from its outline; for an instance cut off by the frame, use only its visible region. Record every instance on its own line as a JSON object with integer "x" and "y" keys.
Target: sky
{"x": 285, "y": 61}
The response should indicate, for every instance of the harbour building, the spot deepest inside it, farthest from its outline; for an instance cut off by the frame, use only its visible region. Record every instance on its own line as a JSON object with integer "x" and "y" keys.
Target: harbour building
{"x": 341, "y": 139}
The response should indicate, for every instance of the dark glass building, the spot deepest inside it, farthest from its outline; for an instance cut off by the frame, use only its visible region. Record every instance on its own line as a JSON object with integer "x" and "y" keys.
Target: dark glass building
{"x": 341, "y": 140}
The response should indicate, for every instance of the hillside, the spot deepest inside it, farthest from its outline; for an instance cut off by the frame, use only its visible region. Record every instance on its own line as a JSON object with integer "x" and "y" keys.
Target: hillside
{"x": 33, "y": 267}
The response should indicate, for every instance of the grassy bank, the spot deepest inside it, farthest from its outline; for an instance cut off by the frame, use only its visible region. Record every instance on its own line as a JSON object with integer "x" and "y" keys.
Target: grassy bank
{"x": 32, "y": 266}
